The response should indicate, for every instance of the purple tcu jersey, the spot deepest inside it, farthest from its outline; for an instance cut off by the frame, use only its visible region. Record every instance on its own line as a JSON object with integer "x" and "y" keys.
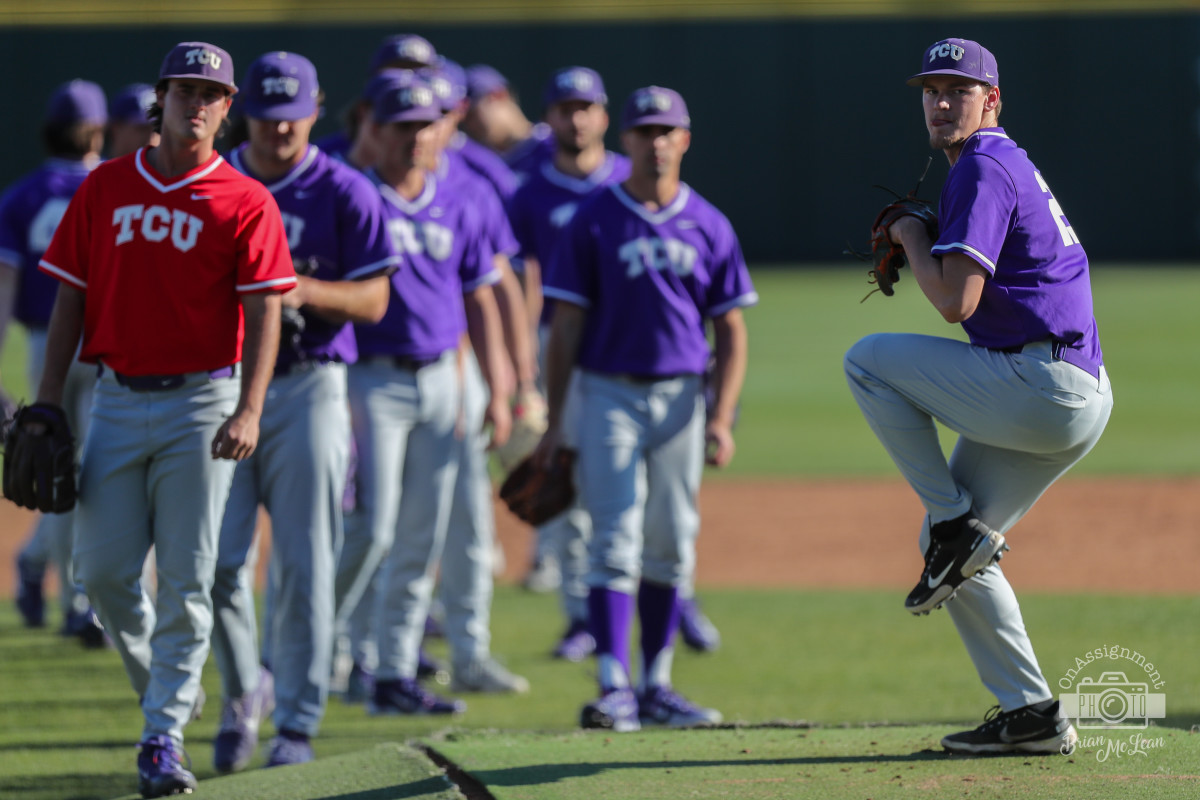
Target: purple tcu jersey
{"x": 29, "y": 215}
{"x": 997, "y": 209}
{"x": 335, "y": 144}
{"x": 456, "y": 176}
{"x": 526, "y": 157}
{"x": 336, "y": 226}
{"x": 485, "y": 163}
{"x": 548, "y": 200}
{"x": 649, "y": 280}
{"x": 445, "y": 255}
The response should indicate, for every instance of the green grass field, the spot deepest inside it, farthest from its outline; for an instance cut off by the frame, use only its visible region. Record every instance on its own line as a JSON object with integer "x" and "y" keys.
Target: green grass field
{"x": 830, "y": 694}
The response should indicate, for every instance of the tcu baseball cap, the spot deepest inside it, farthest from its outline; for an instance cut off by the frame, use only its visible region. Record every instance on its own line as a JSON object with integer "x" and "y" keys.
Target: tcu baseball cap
{"x": 655, "y": 105}
{"x": 199, "y": 60}
{"x": 404, "y": 50}
{"x": 449, "y": 82}
{"x": 483, "y": 80}
{"x": 958, "y": 57}
{"x": 280, "y": 86}
{"x": 77, "y": 101}
{"x": 575, "y": 83}
{"x": 407, "y": 98}
{"x": 131, "y": 104}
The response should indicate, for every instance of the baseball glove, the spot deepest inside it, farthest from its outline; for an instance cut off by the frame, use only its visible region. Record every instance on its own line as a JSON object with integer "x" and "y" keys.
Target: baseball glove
{"x": 886, "y": 256}
{"x": 536, "y": 494}
{"x": 529, "y": 423}
{"x": 39, "y": 459}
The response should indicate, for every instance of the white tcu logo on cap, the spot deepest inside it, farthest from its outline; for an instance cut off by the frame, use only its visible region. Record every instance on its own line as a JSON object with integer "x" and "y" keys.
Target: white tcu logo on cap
{"x": 653, "y": 101}
{"x": 579, "y": 81}
{"x": 946, "y": 49}
{"x": 416, "y": 96}
{"x": 441, "y": 87}
{"x": 147, "y": 99}
{"x": 202, "y": 56}
{"x": 414, "y": 50}
{"x": 281, "y": 85}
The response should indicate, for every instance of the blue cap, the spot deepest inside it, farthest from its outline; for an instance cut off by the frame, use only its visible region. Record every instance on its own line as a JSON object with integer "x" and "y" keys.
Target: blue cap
{"x": 575, "y": 83}
{"x": 655, "y": 105}
{"x": 199, "y": 60}
{"x": 77, "y": 101}
{"x": 407, "y": 98}
{"x": 483, "y": 80}
{"x": 132, "y": 104}
{"x": 958, "y": 57}
{"x": 449, "y": 82}
{"x": 404, "y": 50}
{"x": 280, "y": 86}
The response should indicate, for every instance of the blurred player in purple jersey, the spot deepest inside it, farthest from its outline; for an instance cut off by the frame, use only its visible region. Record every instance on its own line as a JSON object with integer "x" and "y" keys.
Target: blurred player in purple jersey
{"x": 353, "y": 143}
{"x": 30, "y": 211}
{"x": 405, "y": 390}
{"x": 1027, "y": 394}
{"x": 495, "y": 120}
{"x": 129, "y": 127}
{"x": 641, "y": 270}
{"x": 337, "y": 236}
{"x": 576, "y": 111}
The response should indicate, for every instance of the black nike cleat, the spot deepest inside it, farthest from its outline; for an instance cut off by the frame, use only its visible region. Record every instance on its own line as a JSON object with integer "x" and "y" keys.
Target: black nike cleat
{"x": 1026, "y": 730}
{"x": 952, "y": 558}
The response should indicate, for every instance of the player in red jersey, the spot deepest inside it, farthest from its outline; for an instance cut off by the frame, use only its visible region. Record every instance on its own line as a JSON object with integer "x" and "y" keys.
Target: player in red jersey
{"x": 171, "y": 263}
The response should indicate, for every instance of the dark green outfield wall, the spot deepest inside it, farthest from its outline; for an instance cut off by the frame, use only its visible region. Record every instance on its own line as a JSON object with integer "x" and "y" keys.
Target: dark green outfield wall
{"x": 793, "y": 120}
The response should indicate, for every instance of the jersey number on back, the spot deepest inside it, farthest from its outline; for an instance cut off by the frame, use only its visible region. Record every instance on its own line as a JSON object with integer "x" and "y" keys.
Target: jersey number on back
{"x": 42, "y": 229}
{"x": 1060, "y": 219}
{"x": 655, "y": 254}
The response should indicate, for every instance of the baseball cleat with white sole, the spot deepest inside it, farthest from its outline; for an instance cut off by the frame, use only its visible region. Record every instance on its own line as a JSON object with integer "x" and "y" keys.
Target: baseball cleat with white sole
{"x": 1035, "y": 728}
{"x": 952, "y": 559}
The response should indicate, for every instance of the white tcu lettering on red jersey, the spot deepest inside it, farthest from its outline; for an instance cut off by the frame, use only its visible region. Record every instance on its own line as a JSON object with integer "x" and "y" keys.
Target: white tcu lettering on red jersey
{"x": 652, "y": 253}
{"x": 417, "y": 238}
{"x": 155, "y": 224}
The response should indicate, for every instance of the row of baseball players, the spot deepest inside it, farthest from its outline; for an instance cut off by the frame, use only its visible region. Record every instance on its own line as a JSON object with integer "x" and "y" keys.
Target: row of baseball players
{"x": 637, "y": 272}
{"x": 405, "y": 254}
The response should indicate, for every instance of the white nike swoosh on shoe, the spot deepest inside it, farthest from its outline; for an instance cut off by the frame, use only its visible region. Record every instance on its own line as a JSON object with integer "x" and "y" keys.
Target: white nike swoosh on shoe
{"x": 935, "y": 582}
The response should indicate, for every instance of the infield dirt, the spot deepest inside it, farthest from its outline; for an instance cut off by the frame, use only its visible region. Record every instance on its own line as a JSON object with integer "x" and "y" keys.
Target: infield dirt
{"x": 1108, "y": 535}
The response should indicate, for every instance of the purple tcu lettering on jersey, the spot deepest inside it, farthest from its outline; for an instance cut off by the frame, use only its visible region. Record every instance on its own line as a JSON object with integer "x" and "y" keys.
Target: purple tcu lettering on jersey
{"x": 997, "y": 209}
{"x": 456, "y": 177}
{"x": 649, "y": 280}
{"x": 335, "y": 221}
{"x": 29, "y": 215}
{"x": 445, "y": 255}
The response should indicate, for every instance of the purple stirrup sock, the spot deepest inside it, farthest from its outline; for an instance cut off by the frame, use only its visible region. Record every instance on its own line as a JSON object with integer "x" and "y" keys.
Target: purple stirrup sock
{"x": 610, "y": 616}
{"x": 658, "y": 611}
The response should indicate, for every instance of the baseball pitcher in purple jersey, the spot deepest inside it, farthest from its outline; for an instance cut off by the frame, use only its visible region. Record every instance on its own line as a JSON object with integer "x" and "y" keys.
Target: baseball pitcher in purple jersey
{"x": 405, "y": 388}
{"x": 640, "y": 272}
{"x": 1028, "y": 394}
{"x": 337, "y": 236}
{"x": 30, "y": 211}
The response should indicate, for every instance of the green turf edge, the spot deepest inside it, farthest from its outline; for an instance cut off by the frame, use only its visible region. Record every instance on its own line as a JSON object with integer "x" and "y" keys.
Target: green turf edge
{"x": 387, "y": 770}
{"x": 830, "y": 763}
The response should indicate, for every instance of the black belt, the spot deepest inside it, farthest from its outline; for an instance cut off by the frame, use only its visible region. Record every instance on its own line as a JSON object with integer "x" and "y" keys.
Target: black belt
{"x": 1060, "y": 351}
{"x": 643, "y": 379}
{"x": 163, "y": 383}
{"x": 296, "y": 366}
{"x": 410, "y": 363}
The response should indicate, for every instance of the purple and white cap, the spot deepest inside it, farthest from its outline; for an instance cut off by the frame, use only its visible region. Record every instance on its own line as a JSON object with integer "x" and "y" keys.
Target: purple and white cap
{"x": 199, "y": 60}
{"x": 280, "y": 86}
{"x": 449, "y": 82}
{"x": 958, "y": 57}
{"x": 77, "y": 101}
{"x": 405, "y": 50}
{"x": 483, "y": 80}
{"x": 407, "y": 98}
{"x": 655, "y": 105}
{"x": 575, "y": 83}
{"x": 132, "y": 103}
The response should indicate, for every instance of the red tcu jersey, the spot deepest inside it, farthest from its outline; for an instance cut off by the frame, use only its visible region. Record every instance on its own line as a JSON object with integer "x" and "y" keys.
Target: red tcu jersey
{"x": 163, "y": 262}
